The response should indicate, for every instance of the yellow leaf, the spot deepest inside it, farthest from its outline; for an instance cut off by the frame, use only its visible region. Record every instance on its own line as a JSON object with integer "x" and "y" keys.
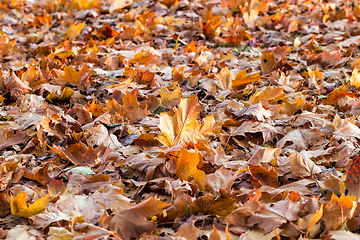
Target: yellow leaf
{"x": 266, "y": 95}
{"x": 317, "y": 216}
{"x": 243, "y": 78}
{"x": 170, "y": 99}
{"x": 20, "y": 209}
{"x": 187, "y": 170}
{"x": 180, "y": 125}
{"x": 119, "y": 4}
{"x": 250, "y": 19}
{"x": 74, "y": 31}
{"x": 225, "y": 78}
{"x": 315, "y": 76}
{"x": 355, "y": 78}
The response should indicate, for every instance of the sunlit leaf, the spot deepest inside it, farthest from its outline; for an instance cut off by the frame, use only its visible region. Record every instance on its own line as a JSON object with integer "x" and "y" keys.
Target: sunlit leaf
{"x": 19, "y": 207}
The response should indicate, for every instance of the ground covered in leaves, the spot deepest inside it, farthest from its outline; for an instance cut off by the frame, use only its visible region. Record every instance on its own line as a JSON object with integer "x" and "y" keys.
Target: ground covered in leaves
{"x": 179, "y": 119}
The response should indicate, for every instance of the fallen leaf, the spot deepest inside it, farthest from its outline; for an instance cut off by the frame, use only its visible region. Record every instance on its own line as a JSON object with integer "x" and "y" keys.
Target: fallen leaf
{"x": 215, "y": 234}
{"x": 188, "y": 231}
{"x": 186, "y": 167}
{"x": 302, "y": 166}
{"x": 317, "y": 216}
{"x": 339, "y": 209}
{"x": 16, "y": 86}
{"x": 59, "y": 233}
{"x": 19, "y": 207}
{"x": 170, "y": 99}
{"x": 343, "y": 234}
{"x": 271, "y": 216}
{"x": 133, "y": 221}
{"x": 119, "y": 4}
{"x": 352, "y": 182}
{"x": 182, "y": 126}
{"x": 74, "y": 31}
{"x": 259, "y": 234}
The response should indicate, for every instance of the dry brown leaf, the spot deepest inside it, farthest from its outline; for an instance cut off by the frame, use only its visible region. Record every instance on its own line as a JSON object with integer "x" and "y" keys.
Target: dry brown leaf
{"x": 271, "y": 216}
{"x": 188, "y": 231}
{"x": 303, "y": 166}
{"x": 133, "y": 221}
{"x": 16, "y": 86}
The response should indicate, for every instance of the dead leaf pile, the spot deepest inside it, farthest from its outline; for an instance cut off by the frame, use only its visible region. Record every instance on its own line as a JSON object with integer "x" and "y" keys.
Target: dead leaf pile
{"x": 234, "y": 119}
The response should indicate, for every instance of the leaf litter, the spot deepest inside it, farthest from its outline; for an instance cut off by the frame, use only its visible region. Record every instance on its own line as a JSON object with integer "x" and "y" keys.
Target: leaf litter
{"x": 170, "y": 119}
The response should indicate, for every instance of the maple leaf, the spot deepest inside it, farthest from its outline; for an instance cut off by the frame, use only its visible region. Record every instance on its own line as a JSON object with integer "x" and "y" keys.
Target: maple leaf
{"x": 225, "y": 78}
{"x": 80, "y": 154}
{"x": 264, "y": 176}
{"x": 187, "y": 170}
{"x": 271, "y": 216}
{"x": 355, "y": 78}
{"x": 170, "y": 99}
{"x": 119, "y": 4}
{"x": 243, "y": 78}
{"x": 181, "y": 125}
{"x": 250, "y": 19}
{"x": 16, "y": 86}
{"x": 74, "y": 31}
{"x": 302, "y": 166}
{"x": 339, "y": 209}
{"x": 352, "y": 181}
{"x": 317, "y": 216}
{"x": 133, "y": 221}
{"x": 19, "y": 207}
{"x": 130, "y": 107}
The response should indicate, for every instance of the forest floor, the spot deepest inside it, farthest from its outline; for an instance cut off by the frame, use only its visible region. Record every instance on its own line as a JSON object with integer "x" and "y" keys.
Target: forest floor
{"x": 179, "y": 119}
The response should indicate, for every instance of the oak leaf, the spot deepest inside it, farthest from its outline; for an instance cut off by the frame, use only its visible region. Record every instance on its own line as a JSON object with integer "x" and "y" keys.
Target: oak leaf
{"x": 20, "y": 209}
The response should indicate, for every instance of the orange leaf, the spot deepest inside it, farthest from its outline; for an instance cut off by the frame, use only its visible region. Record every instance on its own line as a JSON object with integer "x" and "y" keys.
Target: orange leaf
{"x": 71, "y": 75}
{"x": 339, "y": 209}
{"x": 352, "y": 181}
{"x": 15, "y": 85}
{"x": 215, "y": 234}
{"x": 243, "y": 78}
{"x": 355, "y": 78}
{"x": 132, "y": 107}
{"x": 187, "y": 170}
{"x": 74, "y": 31}
{"x": 315, "y": 219}
{"x": 20, "y": 209}
{"x": 265, "y": 177}
{"x": 225, "y": 78}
